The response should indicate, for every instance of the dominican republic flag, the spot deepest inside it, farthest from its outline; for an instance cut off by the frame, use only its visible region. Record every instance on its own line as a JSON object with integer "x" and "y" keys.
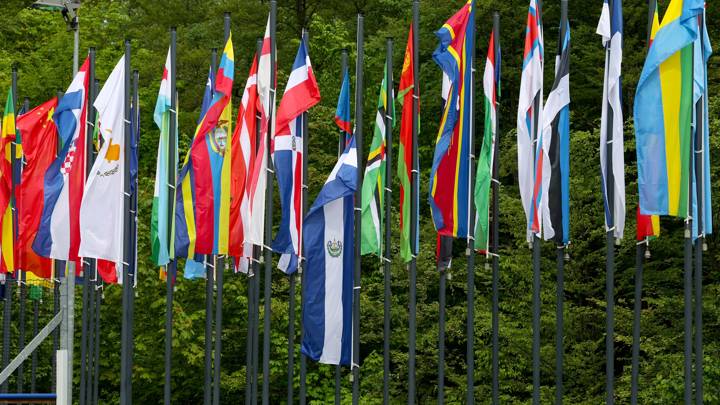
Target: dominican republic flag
{"x": 555, "y": 203}
{"x": 330, "y": 255}
{"x": 301, "y": 94}
{"x": 529, "y": 120}
{"x": 58, "y": 235}
{"x": 612, "y": 165}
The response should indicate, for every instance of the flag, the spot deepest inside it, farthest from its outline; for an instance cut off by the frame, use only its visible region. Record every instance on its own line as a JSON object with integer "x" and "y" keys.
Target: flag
{"x": 610, "y": 28}
{"x": 450, "y": 173}
{"x": 40, "y": 146}
{"x": 664, "y": 113}
{"x": 342, "y": 112}
{"x": 243, "y": 184}
{"x": 6, "y": 187}
{"x": 185, "y": 232}
{"x": 491, "y": 87}
{"x": 529, "y": 120}
{"x": 328, "y": 283}
{"x": 701, "y": 197}
{"x": 102, "y": 212}
{"x": 58, "y": 235}
{"x": 555, "y": 204}
{"x": 406, "y": 154}
{"x": 374, "y": 179}
{"x": 160, "y": 234}
{"x": 256, "y": 234}
{"x": 211, "y": 171}
{"x": 301, "y": 94}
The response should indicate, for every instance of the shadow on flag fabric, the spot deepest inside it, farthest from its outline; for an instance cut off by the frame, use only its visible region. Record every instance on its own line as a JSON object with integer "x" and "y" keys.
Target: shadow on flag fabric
{"x": 6, "y": 172}
{"x": 374, "y": 179}
{"x": 555, "y": 205}
{"x": 529, "y": 121}
{"x": 102, "y": 212}
{"x": 160, "y": 235}
{"x": 612, "y": 167}
{"x": 664, "y": 113}
{"x": 329, "y": 246}
{"x": 483, "y": 179}
{"x": 58, "y": 235}
{"x": 39, "y": 135}
{"x": 450, "y": 174}
{"x": 301, "y": 94}
{"x": 406, "y": 155}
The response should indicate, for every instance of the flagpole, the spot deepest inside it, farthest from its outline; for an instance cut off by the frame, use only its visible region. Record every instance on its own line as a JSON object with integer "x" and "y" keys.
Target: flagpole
{"x": 359, "y": 64}
{"x": 341, "y": 147}
{"x": 219, "y": 275}
{"x": 301, "y": 261}
{"x": 33, "y": 369}
{"x": 267, "y": 296}
{"x": 89, "y": 125}
{"x": 7, "y": 317}
{"x": 470, "y": 250}
{"x": 536, "y": 255}
{"x": 126, "y": 373}
{"x": 496, "y": 231}
{"x": 19, "y": 275}
{"x": 700, "y": 242}
{"x": 414, "y": 177}
{"x": 133, "y": 228}
{"x": 98, "y": 298}
{"x": 170, "y": 270}
{"x": 56, "y": 303}
{"x": 257, "y": 251}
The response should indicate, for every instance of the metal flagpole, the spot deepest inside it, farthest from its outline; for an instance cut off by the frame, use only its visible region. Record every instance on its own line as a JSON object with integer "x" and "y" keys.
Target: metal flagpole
{"x": 89, "y": 124}
{"x": 133, "y": 233}
{"x": 441, "y": 334}
{"x": 470, "y": 250}
{"x": 219, "y": 273}
{"x": 33, "y": 369}
{"x": 257, "y": 251}
{"x": 389, "y": 103}
{"x": 700, "y": 241}
{"x": 496, "y": 231}
{"x": 126, "y": 373}
{"x": 172, "y": 264}
{"x": 98, "y": 299}
{"x": 20, "y": 275}
{"x": 359, "y": 88}
{"x": 267, "y": 298}
{"x": 412, "y": 323}
{"x": 209, "y": 262}
{"x": 56, "y": 304}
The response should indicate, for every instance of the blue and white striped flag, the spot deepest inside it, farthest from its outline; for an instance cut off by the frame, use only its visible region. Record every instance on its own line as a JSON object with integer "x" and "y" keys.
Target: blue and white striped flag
{"x": 330, "y": 255}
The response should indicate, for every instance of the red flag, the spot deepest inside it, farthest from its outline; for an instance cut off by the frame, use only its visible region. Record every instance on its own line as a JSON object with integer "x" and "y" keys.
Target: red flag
{"x": 39, "y": 140}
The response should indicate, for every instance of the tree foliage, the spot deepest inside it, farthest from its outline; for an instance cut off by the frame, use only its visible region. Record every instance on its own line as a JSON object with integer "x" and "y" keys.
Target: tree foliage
{"x": 39, "y": 45}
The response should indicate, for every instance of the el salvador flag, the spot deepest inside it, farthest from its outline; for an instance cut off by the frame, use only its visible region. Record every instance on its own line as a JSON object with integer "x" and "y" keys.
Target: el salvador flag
{"x": 330, "y": 252}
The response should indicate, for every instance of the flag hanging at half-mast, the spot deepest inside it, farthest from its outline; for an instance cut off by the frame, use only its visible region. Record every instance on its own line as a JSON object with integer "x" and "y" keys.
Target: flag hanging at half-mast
{"x": 102, "y": 212}
{"x": 265, "y": 79}
{"x": 406, "y": 154}
{"x": 612, "y": 166}
{"x": 529, "y": 121}
{"x": 450, "y": 174}
{"x": 301, "y": 94}
{"x": 185, "y": 230}
{"x": 160, "y": 234}
{"x": 342, "y": 112}
{"x": 374, "y": 181}
{"x": 483, "y": 179}
{"x": 58, "y": 235}
{"x": 7, "y": 231}
{"x": 664, "y": 113}
{"x": 39, "y": 135}
{"x": 555, "y": 203}
{"x": 328, "y": 278}
{"x": 242, "y": 184}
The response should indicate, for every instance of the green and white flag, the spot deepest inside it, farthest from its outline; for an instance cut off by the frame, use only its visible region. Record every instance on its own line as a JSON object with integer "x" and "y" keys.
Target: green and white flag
{"x": 160, "y": 232}
{"x": 373, "y": 188}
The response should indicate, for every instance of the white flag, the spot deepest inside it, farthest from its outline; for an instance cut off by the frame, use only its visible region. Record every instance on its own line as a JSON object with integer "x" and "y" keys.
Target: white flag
{"x": 102, "y": 208}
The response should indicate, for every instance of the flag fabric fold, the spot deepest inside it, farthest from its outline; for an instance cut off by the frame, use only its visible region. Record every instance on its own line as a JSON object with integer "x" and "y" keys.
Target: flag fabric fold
{"x": 450, "y": 173}
{"x": 483, "y": 179}
{"x": 301, "y": 94}
{"x": 342, "y": 112}
{"x": 529, "y": 121}
{"x": 102, "y": 212}
{"x": 328, "y": 282}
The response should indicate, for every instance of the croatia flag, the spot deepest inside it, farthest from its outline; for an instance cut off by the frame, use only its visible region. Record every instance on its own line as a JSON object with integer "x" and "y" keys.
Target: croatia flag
{"x": 58, "y": 235}
{"x": 328, "y": 283}
{"x": 301, "y": 94}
